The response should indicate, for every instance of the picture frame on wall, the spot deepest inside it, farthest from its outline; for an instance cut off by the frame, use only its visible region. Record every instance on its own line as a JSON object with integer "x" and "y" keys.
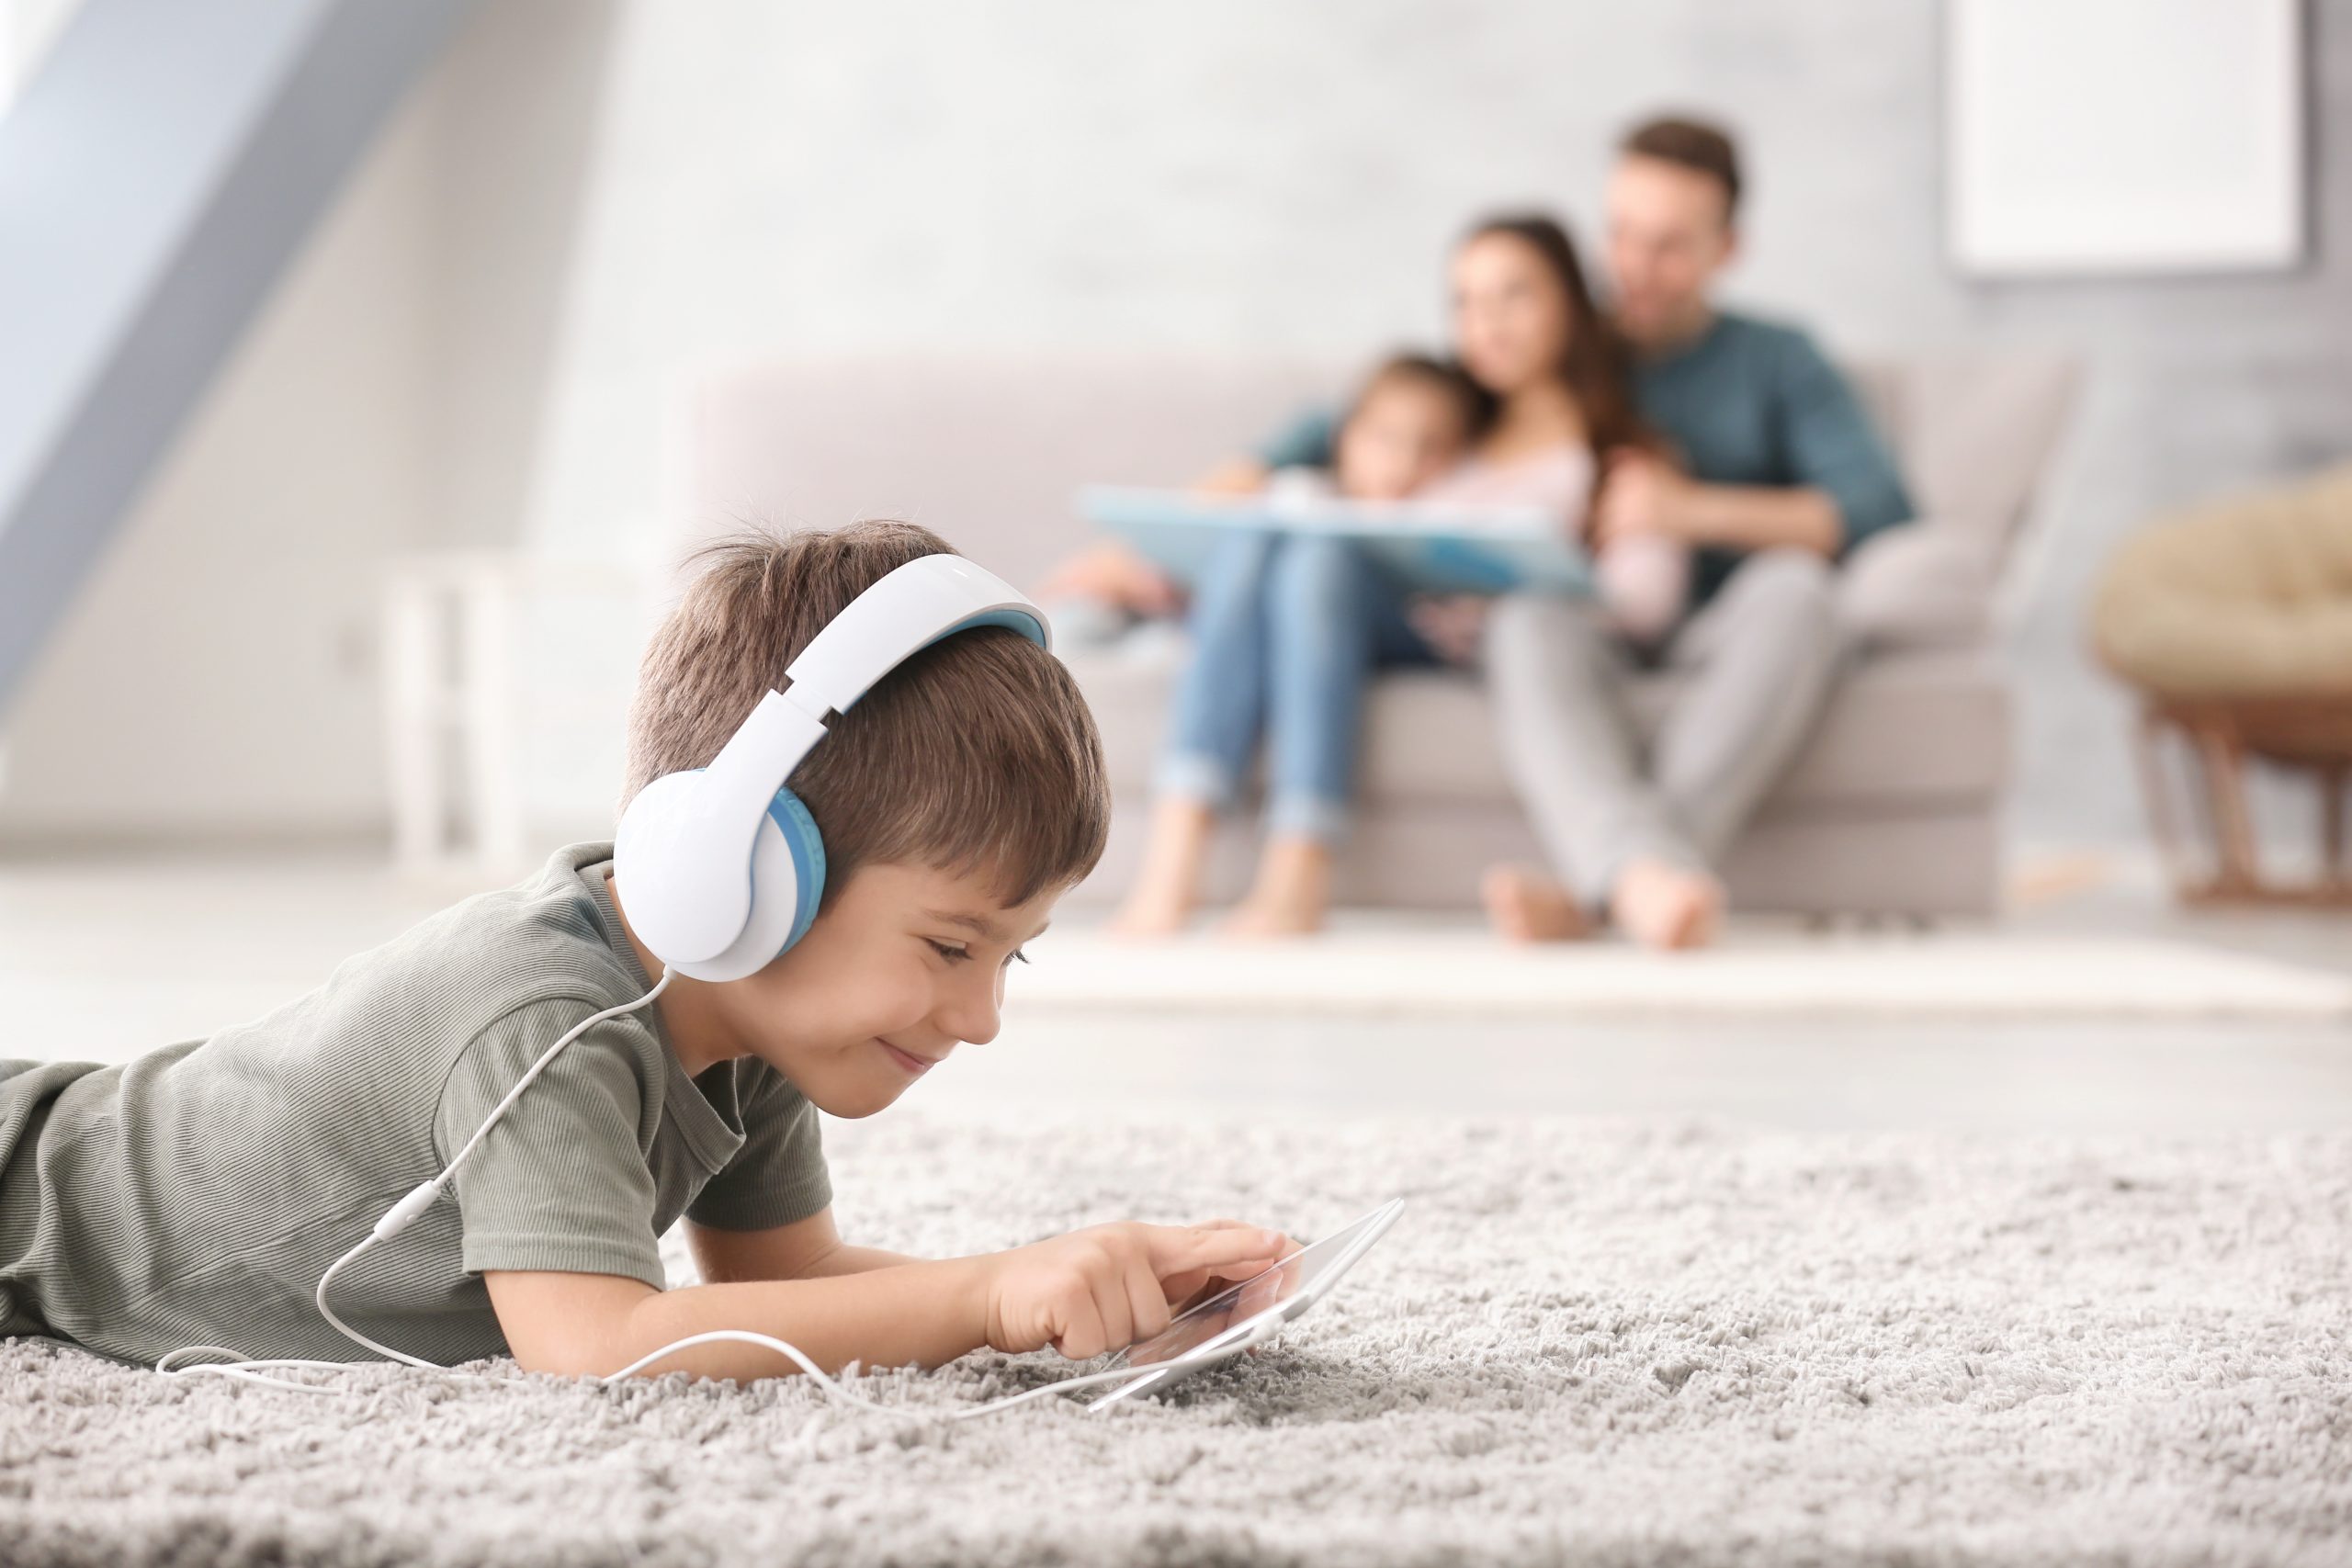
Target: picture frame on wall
{"x": 2125, "y": 136}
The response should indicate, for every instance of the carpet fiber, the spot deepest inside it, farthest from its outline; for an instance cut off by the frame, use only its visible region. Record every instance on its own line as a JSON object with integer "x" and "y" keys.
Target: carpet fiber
{"x": 1588, "y": 1343}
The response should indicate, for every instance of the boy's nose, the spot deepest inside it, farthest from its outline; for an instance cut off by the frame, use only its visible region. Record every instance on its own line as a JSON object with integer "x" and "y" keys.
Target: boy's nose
{"x": 972, "y": 1018}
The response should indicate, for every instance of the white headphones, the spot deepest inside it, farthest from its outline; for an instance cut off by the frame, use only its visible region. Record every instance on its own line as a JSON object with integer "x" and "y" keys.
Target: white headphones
{"x": 722, "y": 868}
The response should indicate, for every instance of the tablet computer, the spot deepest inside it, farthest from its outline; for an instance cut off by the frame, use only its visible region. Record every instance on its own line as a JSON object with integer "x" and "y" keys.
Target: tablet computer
{"x": 1431, "y": 547}
{"x": 1249, "y": 1313}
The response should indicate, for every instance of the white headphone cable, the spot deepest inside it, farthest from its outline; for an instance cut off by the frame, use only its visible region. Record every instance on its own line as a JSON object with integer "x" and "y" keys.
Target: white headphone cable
{"x": 400, "y": 1215}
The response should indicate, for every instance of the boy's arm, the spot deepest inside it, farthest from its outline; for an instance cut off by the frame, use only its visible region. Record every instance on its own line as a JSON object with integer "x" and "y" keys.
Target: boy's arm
{"x": 806, "y": 1249}
{"x": 596, "y": 1324}
{"x": 1083, "y": 1294}
{"x": 593, "y": 1325}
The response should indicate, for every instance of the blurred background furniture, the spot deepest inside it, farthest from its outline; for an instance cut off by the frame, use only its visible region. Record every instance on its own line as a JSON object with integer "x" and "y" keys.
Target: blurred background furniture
{"x": 460, "y": 714}
{"x": 1892, "y": 808}
{"x": 2234, "y": 623}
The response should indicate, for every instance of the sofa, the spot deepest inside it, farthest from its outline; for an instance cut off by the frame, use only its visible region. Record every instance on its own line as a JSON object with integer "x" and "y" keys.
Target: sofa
{"x": 1892, "y": 808}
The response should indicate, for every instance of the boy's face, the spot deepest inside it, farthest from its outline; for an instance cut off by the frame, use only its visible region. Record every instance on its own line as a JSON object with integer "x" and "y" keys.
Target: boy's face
{"x": 1403, "y": 433}
{"x": 906, "y": 965}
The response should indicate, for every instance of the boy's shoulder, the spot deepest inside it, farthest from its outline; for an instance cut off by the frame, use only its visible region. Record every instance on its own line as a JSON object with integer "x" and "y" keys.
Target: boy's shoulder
{"x": 554, "y": 936}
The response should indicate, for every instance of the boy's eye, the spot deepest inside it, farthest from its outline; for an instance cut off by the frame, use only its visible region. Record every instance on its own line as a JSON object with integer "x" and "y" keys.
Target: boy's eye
{"x": 958, "y": 955}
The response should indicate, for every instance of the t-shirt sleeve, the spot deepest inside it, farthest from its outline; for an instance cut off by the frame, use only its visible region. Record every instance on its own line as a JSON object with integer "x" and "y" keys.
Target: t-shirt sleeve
{"x": 1308, "y": 441}
{"x": 1831, "y": 445}
{"x": 562, "y": 1183}
{"x": 778, "y": 1177}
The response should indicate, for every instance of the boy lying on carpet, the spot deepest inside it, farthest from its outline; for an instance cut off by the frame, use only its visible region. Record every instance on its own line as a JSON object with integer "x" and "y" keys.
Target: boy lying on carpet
{"x": 197, "y": 1195}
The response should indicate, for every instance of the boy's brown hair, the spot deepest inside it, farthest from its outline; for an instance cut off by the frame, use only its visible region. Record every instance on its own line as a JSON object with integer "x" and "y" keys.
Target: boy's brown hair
{"x": 1694, "y": 144}
{"x": 976, "y": 754}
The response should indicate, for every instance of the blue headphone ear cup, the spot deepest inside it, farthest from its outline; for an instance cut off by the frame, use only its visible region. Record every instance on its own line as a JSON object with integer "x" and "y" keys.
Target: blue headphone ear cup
{"x": 807, "y": 850}
{"x": 787, "y": 869}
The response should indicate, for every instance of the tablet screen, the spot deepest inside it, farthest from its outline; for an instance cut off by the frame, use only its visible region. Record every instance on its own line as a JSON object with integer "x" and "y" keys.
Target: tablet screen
{"x": 1305, "y": 1273}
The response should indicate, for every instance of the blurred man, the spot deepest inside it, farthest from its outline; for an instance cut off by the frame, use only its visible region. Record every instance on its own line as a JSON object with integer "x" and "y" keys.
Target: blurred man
{"x": 1778, "y": 474}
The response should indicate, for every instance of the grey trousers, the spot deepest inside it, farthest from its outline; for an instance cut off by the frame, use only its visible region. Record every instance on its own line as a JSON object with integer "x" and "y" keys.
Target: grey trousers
{"x": 1759, "y": 658}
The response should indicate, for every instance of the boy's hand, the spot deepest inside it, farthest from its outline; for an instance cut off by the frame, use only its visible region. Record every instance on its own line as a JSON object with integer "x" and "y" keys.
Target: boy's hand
{"x": 1106, "y": 1287}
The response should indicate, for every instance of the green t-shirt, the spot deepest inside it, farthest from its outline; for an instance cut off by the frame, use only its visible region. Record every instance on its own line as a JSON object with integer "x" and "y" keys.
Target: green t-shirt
{"x": 195, "y": 1195}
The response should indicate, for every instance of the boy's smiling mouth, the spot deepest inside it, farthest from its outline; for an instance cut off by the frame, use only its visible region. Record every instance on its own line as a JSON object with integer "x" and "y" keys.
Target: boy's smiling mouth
{"x": 912, "y": 1064}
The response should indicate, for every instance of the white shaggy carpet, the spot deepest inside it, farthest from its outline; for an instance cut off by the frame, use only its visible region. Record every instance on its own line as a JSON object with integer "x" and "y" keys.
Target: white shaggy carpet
{"x": 1585, "y": 1343}
{"x": 1761, "y": 971}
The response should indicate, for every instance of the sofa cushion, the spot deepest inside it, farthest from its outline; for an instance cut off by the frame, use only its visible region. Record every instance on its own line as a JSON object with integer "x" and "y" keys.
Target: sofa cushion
{"x": 989, "y": 450}
{"x": 1922, "y": 585}
{"x": 1975, "y": 431}
{"x": 1917, "y": 727}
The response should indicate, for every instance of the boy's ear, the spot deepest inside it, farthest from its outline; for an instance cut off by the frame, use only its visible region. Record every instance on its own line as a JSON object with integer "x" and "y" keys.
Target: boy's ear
{"x": 839, "y": 881}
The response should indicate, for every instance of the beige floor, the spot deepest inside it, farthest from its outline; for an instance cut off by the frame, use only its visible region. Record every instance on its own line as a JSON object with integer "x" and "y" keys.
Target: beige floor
{"x": 103, "y": 958}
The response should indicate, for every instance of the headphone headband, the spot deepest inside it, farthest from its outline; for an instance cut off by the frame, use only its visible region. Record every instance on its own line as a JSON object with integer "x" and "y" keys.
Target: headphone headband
{"x": 699, "y": 848}
{"x": 904, "y": 612}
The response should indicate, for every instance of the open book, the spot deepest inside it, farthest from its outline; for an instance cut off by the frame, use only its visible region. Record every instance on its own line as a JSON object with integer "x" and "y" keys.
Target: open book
{"x": 1437, "y": 548}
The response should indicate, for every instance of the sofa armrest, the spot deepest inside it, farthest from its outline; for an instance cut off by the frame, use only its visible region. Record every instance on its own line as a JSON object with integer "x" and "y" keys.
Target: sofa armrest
{"x": 1927, "y": 584}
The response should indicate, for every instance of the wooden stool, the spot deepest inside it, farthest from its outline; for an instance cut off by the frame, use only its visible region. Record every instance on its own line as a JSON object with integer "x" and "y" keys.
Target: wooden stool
{"x": 2221, "y": 735}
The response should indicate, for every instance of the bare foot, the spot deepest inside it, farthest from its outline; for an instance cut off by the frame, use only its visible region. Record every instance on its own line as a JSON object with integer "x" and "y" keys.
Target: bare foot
{"x": 1169, "y": 885}
{"x": 1291, "y": 895}
{"x": 1662, "y": 905}
{"x": 1527, "y": 905}
{"x": 1147, "y": 918}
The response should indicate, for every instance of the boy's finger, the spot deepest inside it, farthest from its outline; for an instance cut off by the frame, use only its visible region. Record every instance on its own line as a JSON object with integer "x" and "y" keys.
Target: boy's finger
{"x": 1112, "y": 1308}
{"x": 1277, "y": 1245}
{"x": 1186, "y": 1291}
{"x": 1174, "y": 1249}
{"x": 1147, "y": 1303}
{"x": 1226, "y": 1225}
{"x": 1183, "y": 1288}
{"x": 1081, "y": 1338}
{"x": 1285, "y": 1245}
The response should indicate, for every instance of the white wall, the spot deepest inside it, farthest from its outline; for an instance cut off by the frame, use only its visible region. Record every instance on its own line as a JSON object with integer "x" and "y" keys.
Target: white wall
{"x": 218, "y": 675}
{"x": 1050, "y": 174}
{"x": 214, "y": 673}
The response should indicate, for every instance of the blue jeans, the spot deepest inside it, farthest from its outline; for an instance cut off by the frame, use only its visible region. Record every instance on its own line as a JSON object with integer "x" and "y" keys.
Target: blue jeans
{"x": 1286, "y": 631}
